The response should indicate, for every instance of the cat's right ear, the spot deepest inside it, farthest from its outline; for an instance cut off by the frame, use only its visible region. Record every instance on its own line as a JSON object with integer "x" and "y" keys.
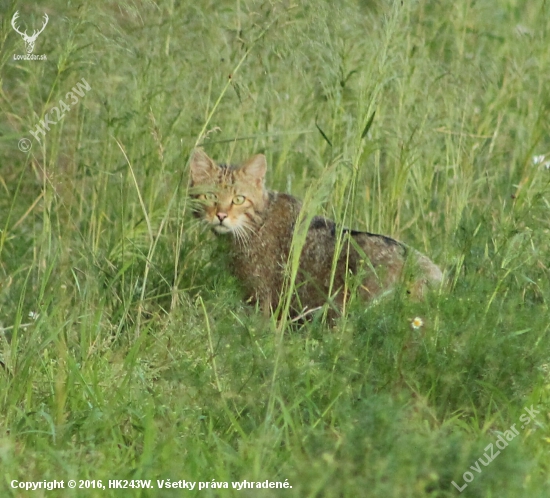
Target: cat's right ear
{"x": 255, "y": 169}
{"x": 202, "y": 167}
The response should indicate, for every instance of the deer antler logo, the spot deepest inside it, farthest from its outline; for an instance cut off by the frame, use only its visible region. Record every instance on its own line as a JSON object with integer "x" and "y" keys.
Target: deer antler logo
{"x": 29, "y": 40}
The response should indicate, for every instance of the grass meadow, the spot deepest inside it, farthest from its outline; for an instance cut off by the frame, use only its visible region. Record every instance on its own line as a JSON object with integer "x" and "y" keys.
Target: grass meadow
{"x": 126, "y": 349}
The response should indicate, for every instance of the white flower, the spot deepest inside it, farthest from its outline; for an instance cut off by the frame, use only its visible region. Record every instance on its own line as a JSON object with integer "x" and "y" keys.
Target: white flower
{"x": 541, "y": 159}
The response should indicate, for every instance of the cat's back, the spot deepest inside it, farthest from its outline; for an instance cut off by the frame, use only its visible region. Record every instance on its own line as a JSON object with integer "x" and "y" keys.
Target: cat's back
{"x": 381, "y": 257}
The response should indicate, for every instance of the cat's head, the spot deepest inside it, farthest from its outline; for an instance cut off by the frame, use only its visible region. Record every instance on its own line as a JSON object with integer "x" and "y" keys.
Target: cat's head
{"x": 230, "y": 199}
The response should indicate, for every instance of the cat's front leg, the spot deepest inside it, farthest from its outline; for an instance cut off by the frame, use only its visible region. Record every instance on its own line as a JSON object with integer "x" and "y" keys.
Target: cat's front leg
{"x": 263, "y": 300}
{"x": 266, "y": 304}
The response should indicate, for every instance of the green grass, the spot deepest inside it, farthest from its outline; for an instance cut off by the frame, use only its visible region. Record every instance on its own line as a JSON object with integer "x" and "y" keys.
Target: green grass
{"x": 419, "y": 120}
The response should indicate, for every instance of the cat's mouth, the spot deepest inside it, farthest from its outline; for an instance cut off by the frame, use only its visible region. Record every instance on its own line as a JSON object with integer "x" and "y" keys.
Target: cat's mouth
{"x": 221, "y": 228}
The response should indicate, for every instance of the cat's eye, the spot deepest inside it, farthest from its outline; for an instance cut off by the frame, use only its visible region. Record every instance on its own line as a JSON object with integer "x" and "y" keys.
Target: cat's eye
{"x": 238, "y": 199}
{"x": 208, "y": 197}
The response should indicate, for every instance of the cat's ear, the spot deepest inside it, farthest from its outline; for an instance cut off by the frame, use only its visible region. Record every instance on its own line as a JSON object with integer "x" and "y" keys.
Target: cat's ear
{"x": 254, "y": 169}
{"x": 202, "y": 167}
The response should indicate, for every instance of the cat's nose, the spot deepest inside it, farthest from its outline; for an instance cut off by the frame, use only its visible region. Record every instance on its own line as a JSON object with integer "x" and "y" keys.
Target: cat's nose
{"x": 221, "y": 216}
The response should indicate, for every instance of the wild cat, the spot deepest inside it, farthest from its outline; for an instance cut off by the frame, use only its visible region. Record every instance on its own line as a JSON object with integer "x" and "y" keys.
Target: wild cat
{"x": 260, "y": 223}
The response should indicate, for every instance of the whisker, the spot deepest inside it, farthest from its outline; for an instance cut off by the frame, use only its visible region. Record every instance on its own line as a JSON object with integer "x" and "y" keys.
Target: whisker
{"x": 248, "y": 231}
{"x": 238, "y": 236}
{"x": 247, "y": 226}
{"x": 243, "y": 236}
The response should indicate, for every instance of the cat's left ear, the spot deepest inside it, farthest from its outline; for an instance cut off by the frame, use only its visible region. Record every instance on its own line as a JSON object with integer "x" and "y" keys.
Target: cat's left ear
{"x": 202, "y": 168}
{"x": 255, "y": 169}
